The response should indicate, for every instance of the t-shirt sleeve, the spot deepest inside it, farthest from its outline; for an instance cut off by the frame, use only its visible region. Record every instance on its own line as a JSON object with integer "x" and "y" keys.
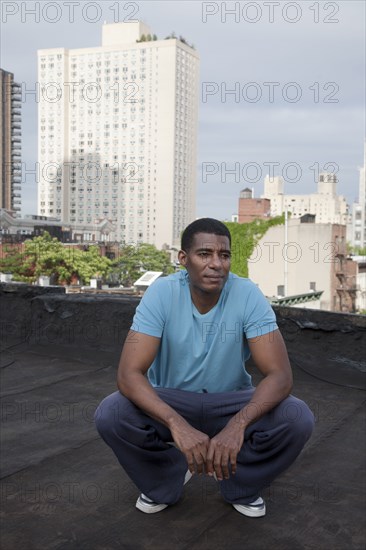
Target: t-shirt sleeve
{"x": 150, "y": 314}
{"x": 259, "y": 317}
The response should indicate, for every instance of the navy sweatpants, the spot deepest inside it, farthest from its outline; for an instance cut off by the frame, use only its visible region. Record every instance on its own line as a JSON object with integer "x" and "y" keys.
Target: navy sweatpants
{"x": 141, "y": 443}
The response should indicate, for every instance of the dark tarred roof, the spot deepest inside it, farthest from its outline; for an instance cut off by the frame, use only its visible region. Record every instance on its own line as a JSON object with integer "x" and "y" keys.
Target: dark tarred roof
{"x": 62, "y": 487}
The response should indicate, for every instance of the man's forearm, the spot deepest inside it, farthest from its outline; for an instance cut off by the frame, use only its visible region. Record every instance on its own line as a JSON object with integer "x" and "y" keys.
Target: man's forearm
{"x": 270, "y": 392}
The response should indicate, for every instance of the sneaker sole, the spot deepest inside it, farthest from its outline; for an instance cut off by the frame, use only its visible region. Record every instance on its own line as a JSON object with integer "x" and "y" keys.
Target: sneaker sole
{"x": 148, "y": 508}
{"x": 250, "y": 511}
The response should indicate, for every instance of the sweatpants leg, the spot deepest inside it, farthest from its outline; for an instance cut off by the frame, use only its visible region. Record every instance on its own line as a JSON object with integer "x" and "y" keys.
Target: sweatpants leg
{"x": 140, "y": 443}
{"x": 270, "y": 445}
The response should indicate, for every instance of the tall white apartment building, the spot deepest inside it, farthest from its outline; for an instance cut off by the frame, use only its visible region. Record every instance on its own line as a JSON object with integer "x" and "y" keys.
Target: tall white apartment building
{"x": 118, "y": 134}
{"x": 326, "y": 205}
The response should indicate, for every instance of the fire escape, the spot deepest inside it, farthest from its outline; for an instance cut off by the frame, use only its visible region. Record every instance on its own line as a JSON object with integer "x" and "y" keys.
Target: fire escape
{"x": 346, "y": 287}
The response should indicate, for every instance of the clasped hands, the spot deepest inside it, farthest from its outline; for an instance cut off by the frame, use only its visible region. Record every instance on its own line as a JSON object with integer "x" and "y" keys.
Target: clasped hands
{"x": 210, "y": 456}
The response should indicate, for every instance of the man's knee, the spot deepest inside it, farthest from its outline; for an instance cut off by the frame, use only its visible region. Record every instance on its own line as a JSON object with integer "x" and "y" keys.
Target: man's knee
{"x": 299, "y": 418}
{"x": 109, "y": 413}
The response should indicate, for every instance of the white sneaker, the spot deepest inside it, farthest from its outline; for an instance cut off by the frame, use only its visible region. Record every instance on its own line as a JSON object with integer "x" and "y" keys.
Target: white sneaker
{"x": 255, "y": 509}
{"x": 148, "y": 506}
{"x": 145, "y": 504}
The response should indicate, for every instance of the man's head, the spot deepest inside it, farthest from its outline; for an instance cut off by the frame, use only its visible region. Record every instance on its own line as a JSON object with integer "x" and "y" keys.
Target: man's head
{"x": 206, "y": 255}
{"x": 203, "y": 225}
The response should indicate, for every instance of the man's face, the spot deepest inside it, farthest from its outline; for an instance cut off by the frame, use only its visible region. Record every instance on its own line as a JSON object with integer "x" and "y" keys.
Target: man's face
{"x": 207, "y": 262}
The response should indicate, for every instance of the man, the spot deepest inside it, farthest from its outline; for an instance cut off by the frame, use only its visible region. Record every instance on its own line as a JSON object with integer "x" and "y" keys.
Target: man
{"x": 197, "y": 408}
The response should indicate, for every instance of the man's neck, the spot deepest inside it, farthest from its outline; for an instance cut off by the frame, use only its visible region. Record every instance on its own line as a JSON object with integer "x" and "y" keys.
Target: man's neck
{"x": 204, "y": 302}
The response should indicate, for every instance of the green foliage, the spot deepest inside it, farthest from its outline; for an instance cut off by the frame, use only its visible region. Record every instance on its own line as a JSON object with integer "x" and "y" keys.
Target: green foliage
{"x": 244, "y": 238}
{"x": 181, "y": 39}
{"x": 356, "y": 250}
{"x": 47, "y": 256}
{"x": 88, "y": 264}
{"x": 147, "y": 38}
{"x": 134, "y": 261}
{"x": 12, "y": 261}
{"x": 39, "y": 257}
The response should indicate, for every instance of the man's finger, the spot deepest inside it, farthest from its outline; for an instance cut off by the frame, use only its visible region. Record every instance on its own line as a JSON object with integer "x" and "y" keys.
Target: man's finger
{"x": 218, "y": 470}
{"x": 209, "y": 461}
{"x": 199, "y": 463}
{"x": 224, "y": 466}
{"x": 233, "y": 456}
{"x": 190, "y": 462}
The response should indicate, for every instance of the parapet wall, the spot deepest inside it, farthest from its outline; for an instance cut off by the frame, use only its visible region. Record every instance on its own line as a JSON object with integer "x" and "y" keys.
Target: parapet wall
{"x": 48, "y": 316}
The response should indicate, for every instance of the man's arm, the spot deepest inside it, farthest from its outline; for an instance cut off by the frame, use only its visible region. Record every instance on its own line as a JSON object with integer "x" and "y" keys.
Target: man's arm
{"x": 270, "y": 356}
{"x": 138, "y": 353}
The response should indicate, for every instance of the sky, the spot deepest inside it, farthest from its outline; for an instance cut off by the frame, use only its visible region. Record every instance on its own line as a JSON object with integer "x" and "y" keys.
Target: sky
{"x": 296, "y": 72}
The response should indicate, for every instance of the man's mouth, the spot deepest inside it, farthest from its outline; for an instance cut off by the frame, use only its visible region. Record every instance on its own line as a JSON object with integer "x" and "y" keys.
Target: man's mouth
{"x": 214, "y": 277}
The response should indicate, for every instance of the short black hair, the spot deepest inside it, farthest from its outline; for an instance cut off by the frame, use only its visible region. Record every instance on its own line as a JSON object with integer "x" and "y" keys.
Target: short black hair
{"x": 203, "y": 225}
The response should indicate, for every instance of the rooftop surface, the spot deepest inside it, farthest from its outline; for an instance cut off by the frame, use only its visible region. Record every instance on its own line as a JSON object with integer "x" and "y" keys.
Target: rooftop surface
{"x": 63, "y": 489}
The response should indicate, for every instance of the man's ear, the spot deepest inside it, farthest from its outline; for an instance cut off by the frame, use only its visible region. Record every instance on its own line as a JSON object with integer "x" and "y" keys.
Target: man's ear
{"x": 182, "y": 257}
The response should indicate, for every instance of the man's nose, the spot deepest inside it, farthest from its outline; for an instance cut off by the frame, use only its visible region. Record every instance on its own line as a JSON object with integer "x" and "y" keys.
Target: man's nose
{"x": 215, "y": 260}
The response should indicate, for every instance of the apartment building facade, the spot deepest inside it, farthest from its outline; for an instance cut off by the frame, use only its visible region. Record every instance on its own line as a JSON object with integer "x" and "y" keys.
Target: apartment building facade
{"x": 251, "y": 208}
{"x": 10, "y": 142}
{"x": 326, "y": 205}
{"x": 304, "y": 258}
{"x": 118, "y": 134}
{"x": 357, "y": 229}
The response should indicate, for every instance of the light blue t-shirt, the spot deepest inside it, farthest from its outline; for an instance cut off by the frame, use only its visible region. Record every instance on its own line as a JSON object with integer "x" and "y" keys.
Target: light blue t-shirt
{"x": 202, "y": 352}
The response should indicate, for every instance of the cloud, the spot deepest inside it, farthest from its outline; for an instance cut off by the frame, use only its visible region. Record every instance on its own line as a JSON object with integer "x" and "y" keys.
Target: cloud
{"x": 316, "y": 56}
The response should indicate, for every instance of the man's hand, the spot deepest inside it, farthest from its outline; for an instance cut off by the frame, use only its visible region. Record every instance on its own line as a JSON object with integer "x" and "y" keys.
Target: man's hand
{"x": 192, "y": 443}
{"x": 223, "y": 450}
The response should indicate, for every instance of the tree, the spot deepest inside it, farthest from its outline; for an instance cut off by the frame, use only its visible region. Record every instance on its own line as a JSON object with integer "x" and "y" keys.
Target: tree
{"x": 88, "y": 264}
{"x": 45, "y": 255}
{"x": 12, "y": 262}
{"x": 40, "y": 256}
{"x": 134, "y": 261}
{"x": 356, "y": 250}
